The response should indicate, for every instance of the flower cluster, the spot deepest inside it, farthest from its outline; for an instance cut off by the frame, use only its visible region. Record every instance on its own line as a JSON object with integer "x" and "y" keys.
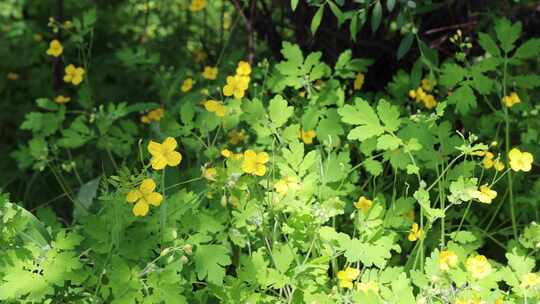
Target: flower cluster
{"x": 73, "y": 74}
{"x": 484, "y": 194}
{"x": 447, "y": 260}
{"x": 347, "y": 276}
{"x": 238, "y": 84}
{"x": 154, "y": 115}
{"x": 511, "y": 100}
{"x": 420, "y": 95}
{"x": 478, "y": 267}
{"x": 215, "y": 107}
{"x": 489, "y": 162}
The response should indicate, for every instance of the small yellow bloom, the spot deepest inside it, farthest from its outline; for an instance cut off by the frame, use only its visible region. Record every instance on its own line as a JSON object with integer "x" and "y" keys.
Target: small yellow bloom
{"x": 254, "y": 163}
{"x": 520, "y": 161}
{"x": 73, "y": 74}
{"x": 415, "y": 233}
{"x": 61, "y": 99}
{"x": 210, "y": 73}
{"x": 498, "y": 165}
{"x": 164, "y": 154}
{"x": 197, "y": 5}
{"x": 210, "y": 174}
{"x": 307, "y": 136}
{"x": 12, "y": 76}
{"x": 243, "y": 68}
{"x": 428, "y": 85}
{"x": 287, "y": 184}
{"x": 530, "y": 280}
{"x": 347, "y": 276}
{"x": 429, "y": 101}
{"x": 447, "y": 259}
{"x": 215, "y": 107}
{"x": 365, "y": 287}
{"x": 55, "y": 48}
{"x": 226, "y": 153}
{"x": 154, "y": 115}
{"x": 144, "y": 196}
{"x": 187, "y": 85}
{"x": 363, "y": 204}
{"x": 358, "y": 82}
{"x": 236, "y": 137}
{"x": 488, "y": 160}
{"x": 484, "y": 194}
{"x": 236, "y": 85}
{"x": 478, "y": 266}
{"x": 511, "y": 99}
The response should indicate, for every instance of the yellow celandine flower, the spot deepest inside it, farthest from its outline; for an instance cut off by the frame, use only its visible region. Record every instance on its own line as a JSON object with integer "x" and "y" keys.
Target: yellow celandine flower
{"x": 243, "y": 68}
{"x": 154, "y": 115}
{"x": 358, "y": 81}
{"x": 530, "y": 280}
{"x": 215, "y": 107}
{"x": 254, "y": 163}
{"x": 520, "y": 161}
{"x": 498, "y": 165}
{"x": 164, "y": 154}
{"x": 365, "y": 287}
{"x": 347, "y": 276}
{"x": 144, "y": 196}
{"x": 478, "y": 266}
{"x": 236, "y": 137}
{"x": 419, "y": 95}
{"x": 61, "y": 99}
{"x": 12, "y": 76}
{"x": 511, "y": 99}
{"x": 236, "y": 85}
{"x": 210, "y": 174}
{"x": 226, "y": 153}
{"x": 428, "y": 85}
{"x": 487, "y": 162}
{"x": 197, "y": 5}
{"x": 429, "y": 101}
{"x": 307, "y": 136}
{"x": 210, "y": 73}
{"x": 187, "y": 85}
{"x": 73, "y": 74}
{"x": 55, "y": 48}
{"x": 287, "y": 184}
{"x": 415, "y": 233}
{"x": 363, "y": 204}
{"x": 484, "y": 194}
{"x": 447, "y": 259}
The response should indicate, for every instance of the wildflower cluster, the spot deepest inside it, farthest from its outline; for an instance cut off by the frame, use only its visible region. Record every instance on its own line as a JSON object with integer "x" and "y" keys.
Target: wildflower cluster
{"x": 421, "y": 94}
{"x": 238, "y": 84}
{"x": 153, "y": 116}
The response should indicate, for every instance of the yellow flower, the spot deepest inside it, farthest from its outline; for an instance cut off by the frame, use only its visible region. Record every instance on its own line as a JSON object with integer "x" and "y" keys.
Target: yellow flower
{"x": 520, "y": 161}
{"x": 156, "y": 115}
{"x": 307, "y": 136}
{"x": 55, "y": 48}
{"x": 144, "y": 196}
{"x": 511, "y": 99}
{"x": 226, "y": 153}
{"x": 73, "y": 74}
{"x": 363, "y": 204}
{"x": 243, "y": 68}
{"x": 236, "y": 137}
{"x": 12, "y": 76}
{"x": 498, "y": 165}
{"x": 210, "y": 174}
{"x": 358, "y": 82}
{"x": 429, "y": 101}
{"x": 415, "y": 233}
{"x": 215, "y": 107}
{"x": 210, "y": 72}
{"x": 447, "y": 259}
{"x": 488, "y": 160}
{"x": 346, "y": 277}
{"x": 478, "y": 266}
{"x": 236, "y": 85}
{"x": 187, "y": 85}
{"x": 61, "y": 99}
{"x": 484, "y": 194}
{"x": 164, "y": 154}
{"x": 197, "y": 5}
{"x": 254, "y": 163}
{"x": 428, "y": 85}
{"x": 365, "y": 287}
{"x": 530, "y": 280}
{"x": 287, "y": 184}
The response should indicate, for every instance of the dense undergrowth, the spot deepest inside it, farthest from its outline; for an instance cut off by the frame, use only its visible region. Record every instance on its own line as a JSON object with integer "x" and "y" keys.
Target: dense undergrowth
{"x": 211, "y": 152}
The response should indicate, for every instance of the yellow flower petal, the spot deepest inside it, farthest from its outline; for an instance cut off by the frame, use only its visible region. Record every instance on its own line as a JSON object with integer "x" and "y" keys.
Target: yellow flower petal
{"x": 140, "y": 209}
{"x": 158, "y": 162}
{"x": 263, "y": 157}
{"x": 147, "y": 186}
{"x": 174, "y": 158}
{"x": 169, "y": 144}
{"x": 260, "y": 170}
{"x": 154, "y": 198}
{"x": 133, "y": 196}
{"x": 154, "y": 148}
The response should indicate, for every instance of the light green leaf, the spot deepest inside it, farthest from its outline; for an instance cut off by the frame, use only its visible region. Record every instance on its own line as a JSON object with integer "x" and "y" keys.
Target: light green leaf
{"x": 279, "y": 111}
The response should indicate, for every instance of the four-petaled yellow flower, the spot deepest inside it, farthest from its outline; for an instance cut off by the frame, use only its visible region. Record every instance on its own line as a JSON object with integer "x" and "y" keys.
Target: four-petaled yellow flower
{"x": 287, "y": 184}
{"x": 187, "y": 85}
{"x": 55, "y": 48}
{"x": 365, "y": 287}
{"x": 197, "y": 5}
{"x": 236, "y": 85}
{"x": 243, "y": 68}
{"x": 164, "y": 154}
{"x": 511, "y": 99}
{"x": 254, "y": 163}
{"x": 520, "y": 161}
{"x": 530, "y": 280}
{"x": 210, "y": 73}
{"x": 144, "y": 196}
{"x": 73, "y": 74}
{"x": 61, "y": 99}
{"x": 447, "y": 259}
{"x": 478, "y": 266}
{"x": 236, "y": 137}
{"x": 484, "y": 194}
{"x": 215, "y": 107}
{"x": 307, "y": 136}
{"x": 358, "y": 81}
{"x": 363, "y": 204}
{"x": 347, "y": 276}
{"x": 415, "y": 233}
